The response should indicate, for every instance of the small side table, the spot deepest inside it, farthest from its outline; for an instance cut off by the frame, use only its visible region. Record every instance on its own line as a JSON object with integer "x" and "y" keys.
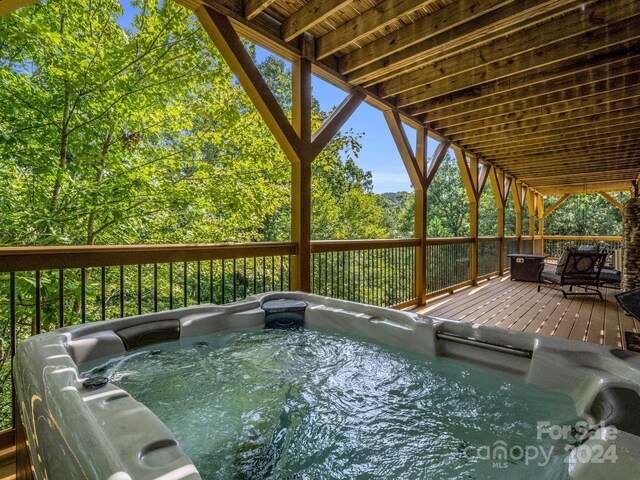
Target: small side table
{"x": 525, "y": 267}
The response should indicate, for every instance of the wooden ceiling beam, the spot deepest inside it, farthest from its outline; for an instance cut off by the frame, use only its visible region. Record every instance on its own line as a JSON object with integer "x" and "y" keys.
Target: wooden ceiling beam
{"x": 545, "y": 41}
{"x": 629, "y": 139}
{"x": 497, "y": 24}
{"x": 579, "y": 189}
{"x": 374, "y": 19}
{"x": 614, "y": 125}
{"x": 542, "y": 126}
{"x": 458, "y": 13}
{"x": 552, "y": 164}
{"x": 568, "y": 163}
{"x": 311, "y": 14}
{"x": 627, "y": 99}
{"x": 620, "y": 61}
{"x": 572, "y": 86}
{"x": 253, "y": 7}
{"x": 576, "y": 47}
{"x": 543, "y": 105}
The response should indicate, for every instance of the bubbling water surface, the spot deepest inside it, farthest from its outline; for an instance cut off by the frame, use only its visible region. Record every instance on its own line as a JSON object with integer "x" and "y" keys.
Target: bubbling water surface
{"x": 307, "y": 404}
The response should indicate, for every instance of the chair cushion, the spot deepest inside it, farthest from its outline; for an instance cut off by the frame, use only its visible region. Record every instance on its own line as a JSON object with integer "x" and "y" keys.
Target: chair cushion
{"x": 609, "y": 275}
{"x": 589, "y": 248}
{"x": 550, "y": 276}
{"x": 563, "y": 260}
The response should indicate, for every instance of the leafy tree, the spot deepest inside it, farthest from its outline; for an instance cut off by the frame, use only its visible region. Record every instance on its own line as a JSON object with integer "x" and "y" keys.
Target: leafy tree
{"x": 447, "y": 203}
{"x": 584, "y": 214}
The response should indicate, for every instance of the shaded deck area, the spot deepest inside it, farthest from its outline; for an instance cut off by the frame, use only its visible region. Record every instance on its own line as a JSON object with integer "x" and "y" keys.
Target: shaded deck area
{"x": 518, "y": 306}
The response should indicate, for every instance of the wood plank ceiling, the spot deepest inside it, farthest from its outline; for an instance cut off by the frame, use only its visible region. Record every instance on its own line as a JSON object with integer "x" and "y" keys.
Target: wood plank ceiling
{"x": 548, "y": 91}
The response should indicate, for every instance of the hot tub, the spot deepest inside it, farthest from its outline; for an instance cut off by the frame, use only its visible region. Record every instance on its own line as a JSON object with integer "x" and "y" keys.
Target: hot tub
{"x": 79, "y": 424}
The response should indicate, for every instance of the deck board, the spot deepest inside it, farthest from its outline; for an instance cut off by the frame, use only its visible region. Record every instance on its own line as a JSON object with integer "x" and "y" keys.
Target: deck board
{"x": 519, "y": 306}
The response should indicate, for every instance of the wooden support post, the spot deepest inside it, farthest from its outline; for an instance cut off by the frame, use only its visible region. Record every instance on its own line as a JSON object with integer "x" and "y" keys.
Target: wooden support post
{"x": 294, "y": 138}
{"x": 540, "y": 207}
{"x": 518, "y": 192}
{"x": 501, "y": 185}
{"x": 301, "y": 176}
{"x": 474, "y": 180}
{"x": 420, "y": 217}
{"x": 416, "y": 165}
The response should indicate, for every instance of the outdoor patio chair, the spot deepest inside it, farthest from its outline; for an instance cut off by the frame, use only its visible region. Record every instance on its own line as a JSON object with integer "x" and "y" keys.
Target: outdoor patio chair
{"x": 609, "y": 276}
{"x": 575, "y": 269}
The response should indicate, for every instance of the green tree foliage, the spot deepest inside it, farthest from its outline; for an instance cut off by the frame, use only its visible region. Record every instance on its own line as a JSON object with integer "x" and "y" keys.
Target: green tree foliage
{"x": 142, "y": 135}
{"x": 585, "y": 215}
{"x": 447, "y": 203}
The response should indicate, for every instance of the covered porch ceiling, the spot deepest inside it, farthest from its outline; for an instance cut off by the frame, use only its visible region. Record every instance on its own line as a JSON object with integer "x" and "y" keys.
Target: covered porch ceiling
{"x": 547, "y": 91}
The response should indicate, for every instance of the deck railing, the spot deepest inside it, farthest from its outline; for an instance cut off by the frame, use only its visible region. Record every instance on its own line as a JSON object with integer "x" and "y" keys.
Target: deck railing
{"x": 379, "y": 272}
{"x": 43, "y": 288}
{"x": 555, "y": 245}
{"x": 448, "y": 263}
{"x": 489, "y": 255}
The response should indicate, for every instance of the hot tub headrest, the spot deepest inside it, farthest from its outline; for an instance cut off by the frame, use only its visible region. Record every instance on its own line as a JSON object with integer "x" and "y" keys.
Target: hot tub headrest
{"x": 284, "y": 313}
{"x": 145, "y": 334}
{"x": 618, "y": 407}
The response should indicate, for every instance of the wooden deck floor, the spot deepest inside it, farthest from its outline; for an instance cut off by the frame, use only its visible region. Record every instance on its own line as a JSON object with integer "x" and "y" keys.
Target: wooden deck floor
{"x": 518, "y": 306}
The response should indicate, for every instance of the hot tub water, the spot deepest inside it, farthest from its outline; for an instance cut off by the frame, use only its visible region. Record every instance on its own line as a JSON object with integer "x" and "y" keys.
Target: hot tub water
{"x": 309, "y": 404}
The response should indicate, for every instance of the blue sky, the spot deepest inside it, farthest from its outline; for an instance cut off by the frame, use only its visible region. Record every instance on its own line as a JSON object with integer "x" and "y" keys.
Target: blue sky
{"x": 378, "y": 154}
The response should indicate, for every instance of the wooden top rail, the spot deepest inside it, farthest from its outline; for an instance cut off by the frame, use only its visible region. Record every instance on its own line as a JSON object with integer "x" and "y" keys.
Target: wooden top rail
{"x": 578, "y": 238}
{"x": 20, "y": 259}
{"x": 323, "y": 246}
{"x": 488, "y": 239}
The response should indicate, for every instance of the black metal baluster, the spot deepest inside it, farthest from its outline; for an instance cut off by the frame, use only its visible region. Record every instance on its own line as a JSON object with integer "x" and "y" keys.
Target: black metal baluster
{"x": 273, "y": 273}
{"x": 199, "y": 290}
{"x": 139, "y": 289}
{"x": 121, "y": 290}
{"x": 264, "y": 278}
{"x": 103, "y": 293}
{"x": 223, "y": 301}
{"x": 210, "y": 281}
{"x": 38, "y": 299}
{"x": 83, "y": 295}
{"x": 170, "y": 286}
{"x": 155, "y": 287}
{"x": 185, "y": 299}
{"x": 281, "y": 273}
{"x": 244, "y": 273}
{"x": 233, "y": 276}
{"x": 255, "y": 276}
{"x": 61, "y": 298}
